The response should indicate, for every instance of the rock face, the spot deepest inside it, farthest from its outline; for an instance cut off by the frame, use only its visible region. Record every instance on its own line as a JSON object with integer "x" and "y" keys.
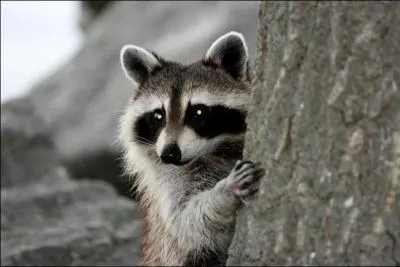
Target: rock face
{"x": 63, "y": 222}
{"x": 49, "y": 219}
{"x": 65, "y": 128}
{"x": 24, "y": 141}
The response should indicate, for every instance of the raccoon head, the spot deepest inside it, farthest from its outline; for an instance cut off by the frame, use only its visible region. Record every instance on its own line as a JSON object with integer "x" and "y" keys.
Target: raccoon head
{"x": 179, "y": 113}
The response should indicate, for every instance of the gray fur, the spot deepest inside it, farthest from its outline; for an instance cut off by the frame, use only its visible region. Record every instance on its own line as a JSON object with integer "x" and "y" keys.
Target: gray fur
{"x": 189, "y": 210}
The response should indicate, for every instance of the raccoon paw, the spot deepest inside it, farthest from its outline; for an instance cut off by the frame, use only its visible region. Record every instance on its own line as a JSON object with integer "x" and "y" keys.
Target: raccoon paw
{"x": 243, "y": 181}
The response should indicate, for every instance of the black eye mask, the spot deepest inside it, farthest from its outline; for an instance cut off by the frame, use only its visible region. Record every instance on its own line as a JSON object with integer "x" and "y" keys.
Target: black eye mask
{"x": 148, "y": 127}
{"x": 211, "y": 121}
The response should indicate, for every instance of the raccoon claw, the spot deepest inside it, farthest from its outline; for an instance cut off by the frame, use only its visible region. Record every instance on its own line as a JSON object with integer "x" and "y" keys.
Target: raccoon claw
{"x": 244, "y": 178}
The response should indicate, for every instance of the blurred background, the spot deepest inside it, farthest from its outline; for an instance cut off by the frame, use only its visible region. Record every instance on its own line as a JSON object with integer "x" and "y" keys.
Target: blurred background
{"x": 63, "y": 199}
{"x": 40, "y": 46}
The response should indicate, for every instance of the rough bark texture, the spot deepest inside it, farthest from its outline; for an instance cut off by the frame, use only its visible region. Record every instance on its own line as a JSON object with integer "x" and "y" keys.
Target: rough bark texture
{"x": 325, "y": 125}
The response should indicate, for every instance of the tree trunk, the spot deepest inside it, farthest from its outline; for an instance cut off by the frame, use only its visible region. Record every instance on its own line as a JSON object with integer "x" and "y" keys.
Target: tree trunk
{"x": 325, "y": 124}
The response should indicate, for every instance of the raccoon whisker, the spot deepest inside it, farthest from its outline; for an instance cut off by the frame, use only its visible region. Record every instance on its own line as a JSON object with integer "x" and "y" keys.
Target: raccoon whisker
{"x": 146, "y": 146}
{"x": 143, "y": 140}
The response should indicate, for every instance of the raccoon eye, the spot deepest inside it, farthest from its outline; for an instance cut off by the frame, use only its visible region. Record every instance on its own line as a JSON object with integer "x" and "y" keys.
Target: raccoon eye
{"x": 199, "y": 112}
{"x": 158, "y": 116}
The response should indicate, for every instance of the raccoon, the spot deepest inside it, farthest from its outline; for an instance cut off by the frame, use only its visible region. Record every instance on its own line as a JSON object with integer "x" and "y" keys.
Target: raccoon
{"x": 182, "y": 136}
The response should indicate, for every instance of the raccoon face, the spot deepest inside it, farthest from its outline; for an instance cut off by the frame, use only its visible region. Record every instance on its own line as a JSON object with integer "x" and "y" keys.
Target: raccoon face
{"x": 179, "y": 113}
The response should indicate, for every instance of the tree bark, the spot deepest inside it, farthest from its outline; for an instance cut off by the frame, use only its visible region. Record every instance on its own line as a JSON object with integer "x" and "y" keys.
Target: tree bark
{"x": 325, "y": 123}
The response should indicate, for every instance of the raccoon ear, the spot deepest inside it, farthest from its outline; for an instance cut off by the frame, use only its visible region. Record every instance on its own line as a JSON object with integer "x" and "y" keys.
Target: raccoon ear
{"x": 138, "y": 63}
{"x": 229, "y": 52}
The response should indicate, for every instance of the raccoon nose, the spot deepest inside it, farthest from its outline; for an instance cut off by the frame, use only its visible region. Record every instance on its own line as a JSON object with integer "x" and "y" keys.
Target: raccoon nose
{"x": 171, "y": 154}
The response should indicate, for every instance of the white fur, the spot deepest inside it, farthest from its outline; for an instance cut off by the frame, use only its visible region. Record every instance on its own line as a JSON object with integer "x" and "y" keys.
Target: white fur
{"x": 192, "y": 146}
{"x": 147, "y": 103}
{"x": 189, "y": 225}
{"x": 161, "y": 141}
{"x": 136, "y": 158}
{"x": 185, "y": 98}
{"x": 232, "y": 100}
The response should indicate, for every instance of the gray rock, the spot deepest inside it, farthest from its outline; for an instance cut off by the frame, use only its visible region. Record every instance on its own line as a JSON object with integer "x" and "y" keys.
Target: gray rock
{"x": 65, "y": 222}
{"x": 27, "y": 151}
{"x": 49, "y": 219}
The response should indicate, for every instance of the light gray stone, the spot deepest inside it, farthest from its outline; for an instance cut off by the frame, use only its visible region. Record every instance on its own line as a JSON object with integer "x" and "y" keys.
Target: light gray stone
{"x": 65, "y": 222}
